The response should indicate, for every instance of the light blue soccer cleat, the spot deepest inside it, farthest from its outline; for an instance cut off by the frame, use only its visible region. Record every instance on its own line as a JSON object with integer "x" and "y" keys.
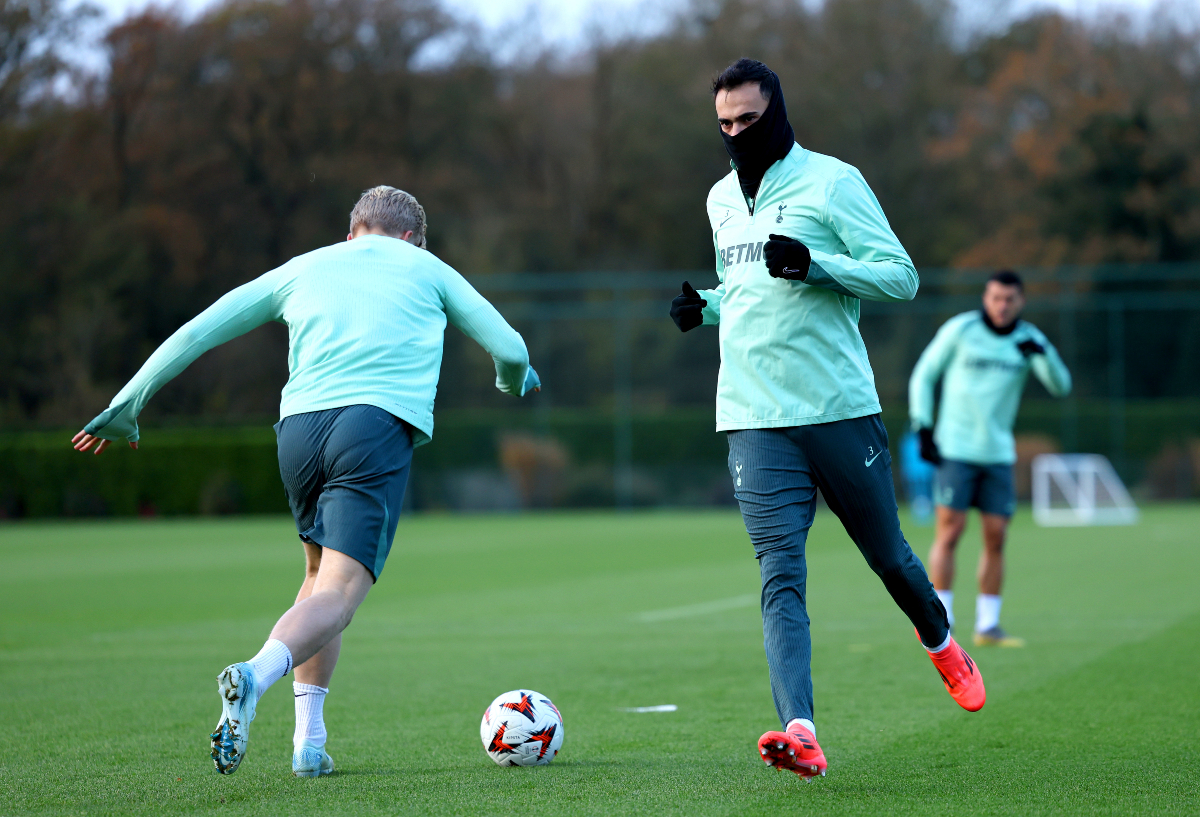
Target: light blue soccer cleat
{"x": 311, "y": 761}
{"x": 239, "y": 696}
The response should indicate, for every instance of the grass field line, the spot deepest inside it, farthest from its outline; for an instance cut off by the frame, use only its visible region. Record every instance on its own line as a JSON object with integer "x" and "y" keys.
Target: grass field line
{"x": 702, "y": 609}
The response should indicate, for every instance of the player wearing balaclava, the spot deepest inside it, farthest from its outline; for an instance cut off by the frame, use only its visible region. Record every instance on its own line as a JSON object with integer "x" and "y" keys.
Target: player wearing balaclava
{"x": 800, "y": 239}
{"x": 755, "y": 149}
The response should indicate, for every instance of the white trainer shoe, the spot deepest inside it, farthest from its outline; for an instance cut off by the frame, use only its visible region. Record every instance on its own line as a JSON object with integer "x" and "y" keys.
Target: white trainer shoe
{"x": 239, "y": 696}
{"x": 311, "y": 761}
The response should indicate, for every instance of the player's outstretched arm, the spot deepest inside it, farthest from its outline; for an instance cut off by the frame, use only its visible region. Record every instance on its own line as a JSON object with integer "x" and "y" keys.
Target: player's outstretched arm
{"x": 482, "y": 323}
{"x": 236, "y": 313}
{"x": 877, "y": 268}
{"x": 82, "y": 441}
{"x": 926, "y": 373}
{"x": 1048, "y": 367}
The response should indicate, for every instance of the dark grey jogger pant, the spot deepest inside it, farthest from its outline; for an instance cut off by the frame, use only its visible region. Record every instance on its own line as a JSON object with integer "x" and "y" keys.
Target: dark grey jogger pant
{"x": 776, "y": 473}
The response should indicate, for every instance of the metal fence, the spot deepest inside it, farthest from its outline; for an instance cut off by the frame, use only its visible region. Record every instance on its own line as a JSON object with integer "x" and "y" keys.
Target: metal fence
{"x": 626, "y": 414}
{"x": 606, "y": 348}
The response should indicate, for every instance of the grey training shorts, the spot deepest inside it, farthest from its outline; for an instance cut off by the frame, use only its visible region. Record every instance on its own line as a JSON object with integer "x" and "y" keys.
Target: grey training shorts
{"x": 345, "y": 471}
{"x": 961, "y": 485}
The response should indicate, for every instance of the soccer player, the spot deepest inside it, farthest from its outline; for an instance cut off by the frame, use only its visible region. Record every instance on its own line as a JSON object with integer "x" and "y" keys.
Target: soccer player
{"x": 800, "y": 239}
{"x": 366, "y": 320}
{"x": 982, "y": 358}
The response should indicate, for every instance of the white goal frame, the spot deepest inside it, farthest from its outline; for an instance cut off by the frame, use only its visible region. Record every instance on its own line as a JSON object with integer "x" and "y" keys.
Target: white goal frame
{"x": 1077, "y": 477}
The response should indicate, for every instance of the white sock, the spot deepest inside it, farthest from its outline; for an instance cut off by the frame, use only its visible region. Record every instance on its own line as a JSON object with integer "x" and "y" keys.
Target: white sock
{"x": 805, "y": 722}
{"x": 947, "y": 597}
{"x": 273, "y": 662}
{"x": 310, "y": 714}
{"x": 987, "y": 612}
{"x": 941, "y": 647}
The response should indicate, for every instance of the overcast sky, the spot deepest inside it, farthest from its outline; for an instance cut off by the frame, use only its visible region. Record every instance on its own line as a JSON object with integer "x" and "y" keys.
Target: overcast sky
{"x": 566, "y": 18}
{"x": 569, "y": 21}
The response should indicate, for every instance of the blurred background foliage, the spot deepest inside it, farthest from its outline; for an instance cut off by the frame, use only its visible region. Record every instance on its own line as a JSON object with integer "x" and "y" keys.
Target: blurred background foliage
{"x": 208, "y": 150}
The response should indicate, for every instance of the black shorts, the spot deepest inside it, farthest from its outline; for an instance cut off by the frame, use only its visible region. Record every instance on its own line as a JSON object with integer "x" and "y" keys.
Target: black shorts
{"x": 961, "y": 485}
{"x": 345, "y": 471}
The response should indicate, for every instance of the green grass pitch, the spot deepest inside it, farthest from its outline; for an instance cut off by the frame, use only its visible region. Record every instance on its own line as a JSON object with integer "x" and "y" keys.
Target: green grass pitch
{"x": 112, "y": 635}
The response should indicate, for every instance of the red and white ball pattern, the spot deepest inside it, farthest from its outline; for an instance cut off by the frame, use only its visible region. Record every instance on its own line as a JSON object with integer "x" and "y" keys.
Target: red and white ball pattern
{"x": 521, "y": 728}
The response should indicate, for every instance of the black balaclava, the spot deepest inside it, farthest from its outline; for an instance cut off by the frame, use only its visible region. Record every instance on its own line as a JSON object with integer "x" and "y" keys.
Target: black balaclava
{"x": 765, "y": 142}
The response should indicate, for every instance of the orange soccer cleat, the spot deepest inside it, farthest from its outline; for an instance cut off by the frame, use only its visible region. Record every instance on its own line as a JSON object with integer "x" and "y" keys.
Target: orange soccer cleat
{"x": 795, "y": 750}
{"x": 960, "y": 675}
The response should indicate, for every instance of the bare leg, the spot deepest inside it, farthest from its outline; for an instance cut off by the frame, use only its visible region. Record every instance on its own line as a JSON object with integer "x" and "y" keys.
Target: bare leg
{"x": 950, "y": 524}
{"x": 316, "y": 622}
{"x": 991, "y": 561}
{"x": 317, "y": 670}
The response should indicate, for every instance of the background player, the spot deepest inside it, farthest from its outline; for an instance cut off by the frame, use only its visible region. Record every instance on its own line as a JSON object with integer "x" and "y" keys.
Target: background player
{"x": 800, "y": 238}
{"x": 366, "y": 321}
{"x": 982, "y": 358}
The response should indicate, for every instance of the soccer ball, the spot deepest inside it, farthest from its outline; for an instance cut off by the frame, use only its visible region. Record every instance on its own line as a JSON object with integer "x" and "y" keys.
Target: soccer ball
{"x": 521, "y": 728}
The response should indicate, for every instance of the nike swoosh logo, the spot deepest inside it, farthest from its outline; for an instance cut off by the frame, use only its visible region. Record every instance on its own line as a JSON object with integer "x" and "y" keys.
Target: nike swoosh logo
{"x": 722, "y": 224}
{"x": 868, "y": 462}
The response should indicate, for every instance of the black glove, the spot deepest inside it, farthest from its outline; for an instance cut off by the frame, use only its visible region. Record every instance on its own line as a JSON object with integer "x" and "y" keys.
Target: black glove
{"x": 786, "y": 258}
{"x": 686, "y": 308}
{"x": 1031, "y": 347}
{"x": 929, "y": 449}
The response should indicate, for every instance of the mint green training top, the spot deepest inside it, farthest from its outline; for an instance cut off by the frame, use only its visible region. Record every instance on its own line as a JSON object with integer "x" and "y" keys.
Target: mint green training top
{"x": 791, "y": 352}
{"x": 366, "y": 321}
{"x": 983, "y": 374}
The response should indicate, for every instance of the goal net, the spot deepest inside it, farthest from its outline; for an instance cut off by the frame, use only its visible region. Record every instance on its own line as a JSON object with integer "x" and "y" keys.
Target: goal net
{"x": 1079, "y": 489}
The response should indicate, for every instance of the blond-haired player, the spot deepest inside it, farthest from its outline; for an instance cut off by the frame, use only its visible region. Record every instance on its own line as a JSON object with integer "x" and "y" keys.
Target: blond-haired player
{"x": 366, "y": 320}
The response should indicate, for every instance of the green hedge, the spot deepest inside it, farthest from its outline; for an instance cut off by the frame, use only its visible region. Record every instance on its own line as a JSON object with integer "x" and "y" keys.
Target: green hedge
{"x": 176, "y": 471}
{"x": 218, "y": 470}
{"x": 215, "y": 470}
{"x": 470, "y": 438}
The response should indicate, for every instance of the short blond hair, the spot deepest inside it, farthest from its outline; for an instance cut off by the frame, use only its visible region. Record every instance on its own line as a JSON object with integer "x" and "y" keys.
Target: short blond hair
{"x": 391, "y": 210}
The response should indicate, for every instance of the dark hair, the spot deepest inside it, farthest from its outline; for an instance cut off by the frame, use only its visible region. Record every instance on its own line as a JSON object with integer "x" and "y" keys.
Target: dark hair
{"x": 1008, "y": 278}
{"x": 741, "y": 72}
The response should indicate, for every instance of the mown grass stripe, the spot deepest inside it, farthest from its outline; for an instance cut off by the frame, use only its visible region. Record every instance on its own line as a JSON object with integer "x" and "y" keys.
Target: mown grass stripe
{"x": 702, "y": 609}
